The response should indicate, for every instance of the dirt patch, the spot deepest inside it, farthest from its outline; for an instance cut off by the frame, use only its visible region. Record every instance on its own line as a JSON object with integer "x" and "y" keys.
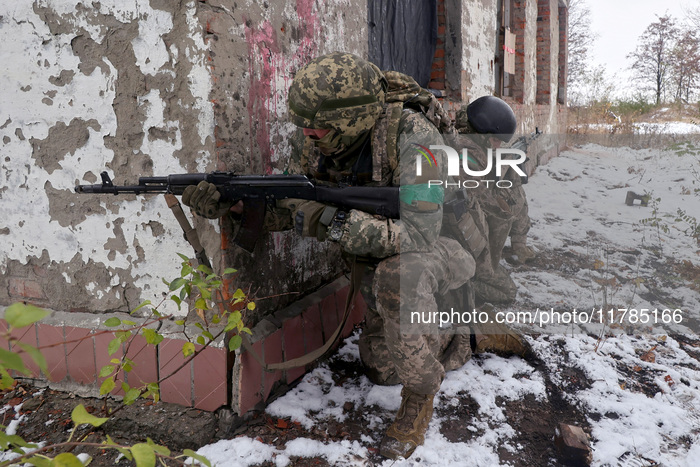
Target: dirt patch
{"x": 45, "y": 416}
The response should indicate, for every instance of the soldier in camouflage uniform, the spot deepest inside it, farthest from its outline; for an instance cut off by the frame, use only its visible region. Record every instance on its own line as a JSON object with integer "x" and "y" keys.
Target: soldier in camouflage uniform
{"x": 353, "y": 136}
{"x": 503, "y": 211}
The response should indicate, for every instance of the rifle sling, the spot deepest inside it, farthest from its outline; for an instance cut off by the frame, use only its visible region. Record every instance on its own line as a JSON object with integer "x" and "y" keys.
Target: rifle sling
{"x": 355, "y": 279}
{"x": 190, "y": 232}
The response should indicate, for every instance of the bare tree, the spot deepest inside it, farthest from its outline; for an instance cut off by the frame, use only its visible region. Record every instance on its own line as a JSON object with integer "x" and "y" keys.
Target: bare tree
{"x": 580, "y": 40}
{"x": 685, "y": 64}
{"x": 652, "y": 57}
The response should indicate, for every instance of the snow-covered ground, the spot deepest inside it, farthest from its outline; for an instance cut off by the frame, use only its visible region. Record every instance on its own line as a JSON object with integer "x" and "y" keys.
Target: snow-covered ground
{"x": 637, "y": 393}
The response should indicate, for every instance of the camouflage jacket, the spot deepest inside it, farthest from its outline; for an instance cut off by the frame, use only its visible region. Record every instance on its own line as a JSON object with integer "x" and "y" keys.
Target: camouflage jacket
{"x": 421, "y": 206}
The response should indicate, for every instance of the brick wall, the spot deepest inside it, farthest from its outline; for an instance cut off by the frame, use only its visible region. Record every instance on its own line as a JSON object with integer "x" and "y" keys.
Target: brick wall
{"x": 437, "y": 73}
{"x": 519, "y": 22}
{"x": 544, "y": 55}
{"x": 75, "y": 347}
{"x": 563, "y": 53}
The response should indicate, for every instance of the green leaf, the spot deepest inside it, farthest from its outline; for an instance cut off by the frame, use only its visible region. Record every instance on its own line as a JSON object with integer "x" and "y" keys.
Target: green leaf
{"x": 204, "y": 268}
{"x": 198, "y": 457}
{"x": 251, "y": 306}
{"x": 235, "y": 342}
{"x": 114, "y": 345}
{"x": 180, "y": 322}
{"x": 107, "y": 386}
{"x": 128, "y": 322}
{"x": 162, "y": 450}
{"x": 239, "y": 294}
{"x": 184, "y": 258}
{"x": 152, "y": 336}
{"x": 106, "y": 371}
{"x": 66, "y": 459}
{"x": 6, "y": 381}
{"x": 177, "y": 300}
{"x": 143, "y": 304}
{"x": 177, "y": 283}
{"x": 39, "y": 461}
{"x": 81, "y": 416}
{"x": 36, "y": 355}
{"x": 208, "y": 335}
{"x": 12, "y": 361}
{"x": 128, "y": 365}
{"x": 143, "y": 455}
{"x": 19, "y": 315}
{"x": 14, "y": 440}
{"x": 131, "y": 396}
{"x": 113, "y": 321}
{"x": 187, "y": 349}
{"x": 230, "y": 271}
{"x": 200, "y": 340}
{"x": 205, "y": 292}
{"x": 124, "y": 452}
{"x": 201, "y": 303}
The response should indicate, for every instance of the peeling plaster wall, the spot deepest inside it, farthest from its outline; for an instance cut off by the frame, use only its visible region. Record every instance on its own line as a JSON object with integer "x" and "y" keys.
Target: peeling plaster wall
{"x": 479, "y": 38}
{"x": 122, "y": 85}
{"x": 256, "y": 48}
{"x": 143, "y": 88}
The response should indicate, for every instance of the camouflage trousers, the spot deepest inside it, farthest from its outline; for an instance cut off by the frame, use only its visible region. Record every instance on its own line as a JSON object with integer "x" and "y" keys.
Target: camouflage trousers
{"x": 393, "y": 350}
{"x": 504, "y": 217}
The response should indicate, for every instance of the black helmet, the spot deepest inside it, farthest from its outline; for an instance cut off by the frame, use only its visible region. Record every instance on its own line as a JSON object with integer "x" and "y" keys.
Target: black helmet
{"x": 491, "y": 115}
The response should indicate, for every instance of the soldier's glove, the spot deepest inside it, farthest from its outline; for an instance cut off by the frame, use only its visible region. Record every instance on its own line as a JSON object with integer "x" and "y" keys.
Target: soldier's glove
{"x": 311, "y": 219}
{"x": 204, "y": 199}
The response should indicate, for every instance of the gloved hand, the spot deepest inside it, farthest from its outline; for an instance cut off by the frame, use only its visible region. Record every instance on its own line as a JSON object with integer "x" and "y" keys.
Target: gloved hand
{"x": 307, "y": 217}
{"x": 204, "y": 199}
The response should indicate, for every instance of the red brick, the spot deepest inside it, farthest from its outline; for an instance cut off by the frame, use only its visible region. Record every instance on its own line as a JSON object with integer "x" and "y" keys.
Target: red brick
{"x": 177, "y": 388}
{"x": 273, "y": 354}
{"x": 250, "y": 383}
{"x": 436, "y": 85}
{"x": 4, "y": 344}
{"x": 329, "y": 316}
{"x": 293, "y": 338}
{"x": 25, "y": 288}
{"x": 80, "y": 355}
{"x": 26, "y": 335}
{"x": 51, "y": 342}
{"x": 103, "y": 358}
{"x": 313, "y": 329}
{"x": 145, "y": 368}
{"x": 210, "y": 379}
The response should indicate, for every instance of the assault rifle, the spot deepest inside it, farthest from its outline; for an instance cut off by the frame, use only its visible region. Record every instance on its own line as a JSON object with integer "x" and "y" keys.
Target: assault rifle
{"x": 522, "y": 144}
{"x": 256, "y": 191}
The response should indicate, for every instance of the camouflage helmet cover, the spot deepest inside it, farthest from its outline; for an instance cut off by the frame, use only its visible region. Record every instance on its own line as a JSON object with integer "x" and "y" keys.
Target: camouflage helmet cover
{"x": 338, "y": 91}
{"x": 491, "y": 115}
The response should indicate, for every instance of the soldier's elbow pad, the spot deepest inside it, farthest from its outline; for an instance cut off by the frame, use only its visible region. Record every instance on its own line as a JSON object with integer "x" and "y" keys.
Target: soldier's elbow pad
{"x": 368, "y": 235}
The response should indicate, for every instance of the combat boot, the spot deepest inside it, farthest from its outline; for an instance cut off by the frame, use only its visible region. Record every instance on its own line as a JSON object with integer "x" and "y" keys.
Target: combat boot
{"x": 521, "y": 253}
{"x": 498, "y": 338}
{"x": 408, "y": 430}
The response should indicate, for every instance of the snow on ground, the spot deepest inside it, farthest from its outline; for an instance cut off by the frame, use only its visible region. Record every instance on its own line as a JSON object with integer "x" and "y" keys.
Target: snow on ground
{"x": 639, "y": 392}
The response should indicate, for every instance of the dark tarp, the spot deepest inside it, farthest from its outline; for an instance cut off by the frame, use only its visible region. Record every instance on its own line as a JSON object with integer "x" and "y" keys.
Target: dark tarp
{"x": 402, "y": 36}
